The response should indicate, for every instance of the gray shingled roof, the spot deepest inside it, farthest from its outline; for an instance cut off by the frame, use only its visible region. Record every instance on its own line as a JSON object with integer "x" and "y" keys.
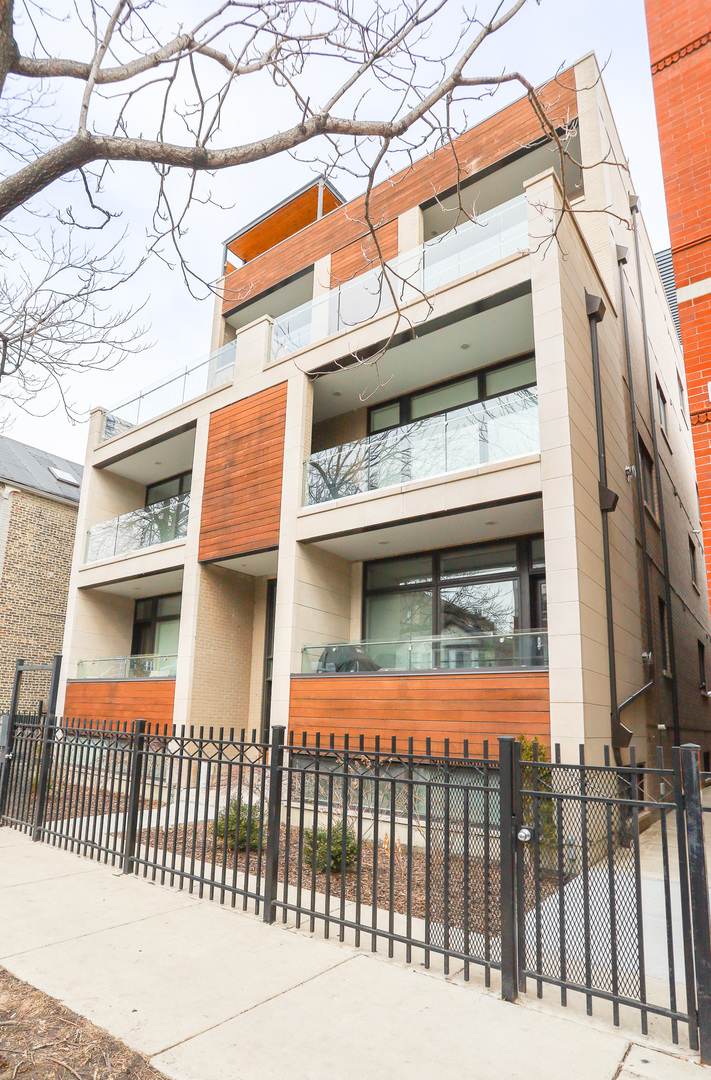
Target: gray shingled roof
{"x": 29, "y": 467}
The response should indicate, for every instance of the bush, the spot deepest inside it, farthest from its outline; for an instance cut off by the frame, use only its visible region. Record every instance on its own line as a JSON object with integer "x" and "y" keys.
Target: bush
{"x": 245, "y": 827}
{"x": 336, "y": 848}
{"x": 541, "y": 778}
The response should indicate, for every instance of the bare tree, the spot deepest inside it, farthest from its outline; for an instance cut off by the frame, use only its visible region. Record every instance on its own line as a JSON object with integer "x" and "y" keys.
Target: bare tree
{"x": 367, "y": 83}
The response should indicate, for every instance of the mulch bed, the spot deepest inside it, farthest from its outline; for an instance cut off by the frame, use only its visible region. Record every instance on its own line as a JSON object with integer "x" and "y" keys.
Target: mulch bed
{"x": 43, "y": 1040}
{"x": 484, "y": 905}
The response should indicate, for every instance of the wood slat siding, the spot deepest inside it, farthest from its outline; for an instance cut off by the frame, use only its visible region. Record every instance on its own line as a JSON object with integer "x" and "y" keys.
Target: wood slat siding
{"x": 359, "y": 257}
{"x": 296, "y": 215}
{"x": 121, "y": 700}
{"x": 466, "y": 705}
{"x": 241, "y": 502}
{"x": 494, "y": 139}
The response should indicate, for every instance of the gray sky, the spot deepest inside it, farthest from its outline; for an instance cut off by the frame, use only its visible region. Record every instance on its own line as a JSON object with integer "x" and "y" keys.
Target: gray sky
{"x": 540, "y": 40}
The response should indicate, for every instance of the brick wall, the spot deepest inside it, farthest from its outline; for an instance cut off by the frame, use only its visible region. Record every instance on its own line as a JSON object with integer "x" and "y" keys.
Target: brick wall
{"x": 680, "y": 51}
{"x": 34, "y": 581}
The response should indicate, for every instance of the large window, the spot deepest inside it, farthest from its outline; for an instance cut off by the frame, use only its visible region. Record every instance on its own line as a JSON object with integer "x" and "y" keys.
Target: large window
{"x": 156, "y": 626}
{"x": 487, "y": 589}
{"x": 168, "y": 489}
{"x": 491, "y": 383}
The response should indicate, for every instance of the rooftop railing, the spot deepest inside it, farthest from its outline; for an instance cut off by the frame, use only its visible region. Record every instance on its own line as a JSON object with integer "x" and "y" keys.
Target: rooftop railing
{"x": 180, "y": 386}
{"x": 494, "y": 430}
{"x": 519, "y": 650}
{"x": 158, "y": 523}
{"x": 469, "y": 246}
{"x": 148, "y": 666}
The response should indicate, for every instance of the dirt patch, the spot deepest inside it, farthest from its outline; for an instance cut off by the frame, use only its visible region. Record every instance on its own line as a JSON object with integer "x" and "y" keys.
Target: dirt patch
{"x": 40, "y": 1039}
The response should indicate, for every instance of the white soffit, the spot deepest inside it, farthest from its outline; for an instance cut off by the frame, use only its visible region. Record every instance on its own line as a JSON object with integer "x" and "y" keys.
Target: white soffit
{"x": 261, "y": 564}
{"x": 163, "y": 459}
{"x": 151, "y": 585}
{"x": 429, "y": 534}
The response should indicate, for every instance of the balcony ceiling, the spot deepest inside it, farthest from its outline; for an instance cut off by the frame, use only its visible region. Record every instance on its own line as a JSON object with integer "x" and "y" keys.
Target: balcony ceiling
{"x": 275, "y": 302}
{"x": 158, "y": 461}
{"x": 492, "y": 335}
{"x": 470, "y": 527}
{"x": 149, "y": 585}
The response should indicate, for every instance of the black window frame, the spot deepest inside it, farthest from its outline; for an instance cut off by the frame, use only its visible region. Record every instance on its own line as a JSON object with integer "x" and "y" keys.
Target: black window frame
{"x": 648, "y": 479}
{"x": 526, "y": 576}
{"x": 663, "y": 415}
{"x": 701, "y": 648}
{"x": 152, "y": 621}
{"x": 664, "y": 635}
{"x": 181, "y": 477}
{"x": 405, "y": 400}
{"x": 694, "y": 564}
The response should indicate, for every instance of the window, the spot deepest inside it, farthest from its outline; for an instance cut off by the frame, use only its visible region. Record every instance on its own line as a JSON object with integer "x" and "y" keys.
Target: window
{"x": 462, "y": 593}
{"x": 664, "y": 632}
{"x": 506, "y": 378}
{"x": 168, "y": 489}
{"x": 702, "y": 668}
{"x": 647, "y": 479}
{"x": 693, "y": 566}
{"x": 662, "y": 409}
{"x": 682, "y": 398}
{"x": 156, "y": 625}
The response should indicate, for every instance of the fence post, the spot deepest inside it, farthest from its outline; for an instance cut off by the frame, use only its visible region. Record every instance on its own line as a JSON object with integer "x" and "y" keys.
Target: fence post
{"x": 44, "y": 778}
{"x": 698, "y": 887}
{"x": 5, "y": 765}
{"x": 138, "y": 739}
{"x": 271, "y": 862}
{"x": 507, "y": 877}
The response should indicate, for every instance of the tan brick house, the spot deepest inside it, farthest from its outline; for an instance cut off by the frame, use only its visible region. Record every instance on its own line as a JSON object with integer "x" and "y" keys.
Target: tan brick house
{"x": 38, "y": 512}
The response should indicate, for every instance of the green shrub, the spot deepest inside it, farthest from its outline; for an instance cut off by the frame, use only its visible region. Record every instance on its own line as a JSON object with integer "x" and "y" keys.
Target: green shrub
{"x": 248, "y": 833}
{"x": 540, "y": 778}
{"x": 336, "y": 848}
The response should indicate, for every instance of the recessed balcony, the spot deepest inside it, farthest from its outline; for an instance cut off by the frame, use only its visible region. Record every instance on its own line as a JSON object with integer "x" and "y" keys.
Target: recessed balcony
{"x": 159, "y": 523}
{"x": 486, "y": 431}
{"x": 466, "y": 248}
{"x": 149, "y": 666}
{"x": 517, "y": 651}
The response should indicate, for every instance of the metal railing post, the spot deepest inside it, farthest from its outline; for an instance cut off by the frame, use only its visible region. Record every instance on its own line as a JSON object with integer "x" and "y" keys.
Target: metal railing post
{"x": 44, "y": 778}
{"x": 698, "y": 888}
{"x": 507, "y": 851}
{"x": 5, "y": 764}
{"x": 271, "y": 862}
{"x": 138, "y": 739}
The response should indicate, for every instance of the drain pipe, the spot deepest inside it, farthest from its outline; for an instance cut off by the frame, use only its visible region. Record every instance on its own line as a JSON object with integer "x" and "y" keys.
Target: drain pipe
{"x": 621, "y": 735}
{"x": 634, "y": 207}
{"x": 648, "y": 656}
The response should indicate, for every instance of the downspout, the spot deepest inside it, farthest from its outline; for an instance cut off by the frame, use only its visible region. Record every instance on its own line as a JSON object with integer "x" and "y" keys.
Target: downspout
{"x": 634, "y": 207}
{"x": 621, "y": 735}
{"x": 648, "y": 656}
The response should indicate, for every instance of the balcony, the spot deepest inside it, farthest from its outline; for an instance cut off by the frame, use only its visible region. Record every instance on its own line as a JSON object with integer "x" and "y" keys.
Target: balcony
{"x": 182, "y": 385}
{"x": 158, "y": 523}
{"x": 518, "y": 651}
{"x": 463, "y": 438}
{"x": 150, "y": 666}
{"x": 463, "y": 250}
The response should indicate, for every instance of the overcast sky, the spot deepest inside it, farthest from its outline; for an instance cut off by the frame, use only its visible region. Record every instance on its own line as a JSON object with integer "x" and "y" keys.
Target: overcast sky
{"x": 540, "y": 40}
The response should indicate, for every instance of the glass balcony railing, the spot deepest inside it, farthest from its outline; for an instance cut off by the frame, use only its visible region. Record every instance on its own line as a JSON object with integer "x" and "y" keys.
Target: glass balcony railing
{"x": 151, "y": 666}
{"x": 188, "y": 382}
{"x": 520, "y": 650}
{"x": 155, "y": 524}
{"x": 469, "y": 246}
{"x": 494, "y": 430}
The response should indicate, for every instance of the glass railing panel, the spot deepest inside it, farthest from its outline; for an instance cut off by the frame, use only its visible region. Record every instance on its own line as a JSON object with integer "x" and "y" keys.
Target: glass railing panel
{"x": 156, "y": 665}
{"x": 470, "y": 246}
{"x": 150, "y": 525}
{"x": 521, "y": 650}
{"x": 180, "y": 386}
{"x": 494, "y": 430}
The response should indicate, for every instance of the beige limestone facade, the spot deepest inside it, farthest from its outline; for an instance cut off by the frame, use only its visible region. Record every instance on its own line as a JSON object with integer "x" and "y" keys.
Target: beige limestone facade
{"x": 263, "y": 613}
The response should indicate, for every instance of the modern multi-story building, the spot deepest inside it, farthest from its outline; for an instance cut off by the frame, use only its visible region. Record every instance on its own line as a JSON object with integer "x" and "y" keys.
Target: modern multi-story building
{"x": 38, "y": 513}
{"x": 680, "y": 49}
{"x": 457, "y": 503}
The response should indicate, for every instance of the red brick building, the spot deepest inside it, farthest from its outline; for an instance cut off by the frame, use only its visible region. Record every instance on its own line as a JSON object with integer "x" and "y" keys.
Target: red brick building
{"x": 680, "y": 50}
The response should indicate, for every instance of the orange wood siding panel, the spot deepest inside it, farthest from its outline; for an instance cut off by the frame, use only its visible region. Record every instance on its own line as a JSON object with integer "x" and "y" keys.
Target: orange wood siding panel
{"x": 121, "y": 701}
{"x": 241, "y": 503}
{"x": 466, "y": 705}
{"x": 296, "y": 215}
{"x": 495, "y": 138}
{"x": 357, "y": 258}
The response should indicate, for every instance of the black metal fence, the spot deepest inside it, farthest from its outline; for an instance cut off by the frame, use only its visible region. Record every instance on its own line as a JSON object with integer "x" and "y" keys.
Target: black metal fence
{"x": 537, "y": 871}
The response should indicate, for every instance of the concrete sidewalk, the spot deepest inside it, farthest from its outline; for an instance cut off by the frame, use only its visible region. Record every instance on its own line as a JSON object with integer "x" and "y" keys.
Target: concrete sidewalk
{"x": 209, "y": 993}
